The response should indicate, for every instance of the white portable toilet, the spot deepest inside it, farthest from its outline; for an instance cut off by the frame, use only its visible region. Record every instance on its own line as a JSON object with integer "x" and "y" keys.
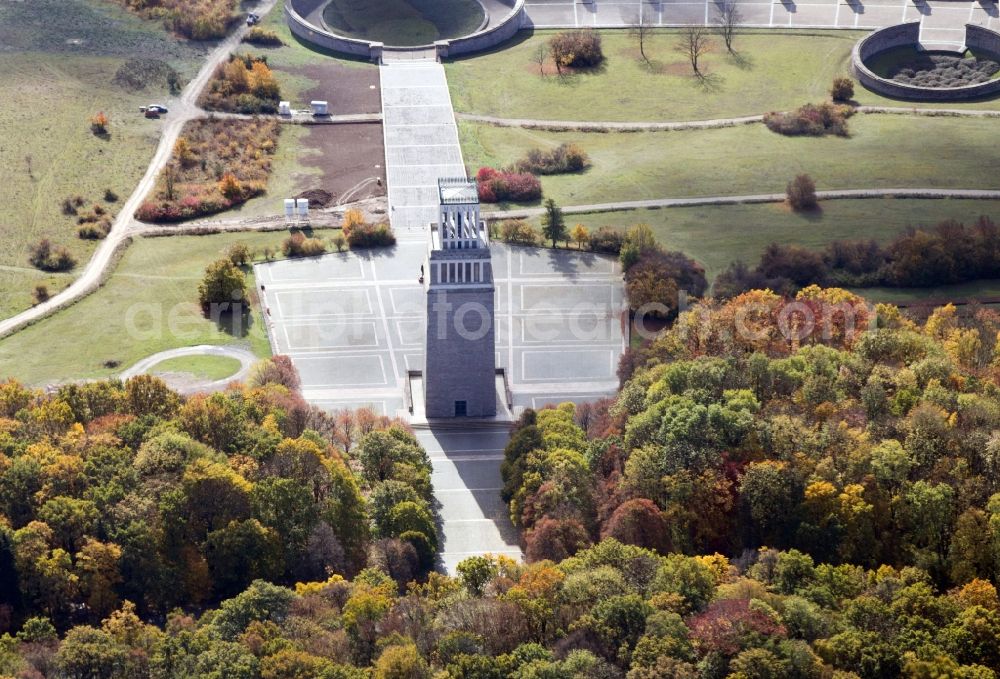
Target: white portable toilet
{"x": 284, "y": 108}
{"x": 289, "y": 209}
{"x": 319, "y": 108}
{"x": 303, "y": 205}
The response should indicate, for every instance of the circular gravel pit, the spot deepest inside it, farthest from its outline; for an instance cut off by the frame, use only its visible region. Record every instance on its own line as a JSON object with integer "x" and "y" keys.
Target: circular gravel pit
{"x": 404, "y": 23}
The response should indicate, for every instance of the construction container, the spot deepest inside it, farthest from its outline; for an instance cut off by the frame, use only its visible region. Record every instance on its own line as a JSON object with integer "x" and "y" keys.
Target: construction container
{"x": 284, "y": 108}
{"x": 319, "y": 108}
{"x": 303, "y": 205}
{"x": 289, "y": 208}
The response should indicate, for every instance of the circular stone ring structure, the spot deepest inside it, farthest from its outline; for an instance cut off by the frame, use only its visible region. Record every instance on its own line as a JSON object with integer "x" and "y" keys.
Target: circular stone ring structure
{"x": 305, "y": 20}
{"x": 977, "y": 38}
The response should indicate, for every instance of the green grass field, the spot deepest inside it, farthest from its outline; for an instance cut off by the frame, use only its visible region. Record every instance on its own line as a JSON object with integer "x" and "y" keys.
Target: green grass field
{"x": 59, "y": 61}
{"x": 149, "y": 305}
{"x": 719, "y": 234}
{"x": 960, "y": 291}
{"x": 200, "y": 367}
{"x": 404, "y": 22}
{"x": 883, "y": 152}
{"x": 779, "y": 71}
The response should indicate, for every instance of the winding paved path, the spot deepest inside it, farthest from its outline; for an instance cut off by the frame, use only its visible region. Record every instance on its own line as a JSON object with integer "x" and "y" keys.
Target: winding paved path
{"x": 631, "y": 126}
{"x": 182, "y": 109}
{"x": 524, "y": 213}
{"x": 244, "y": 356}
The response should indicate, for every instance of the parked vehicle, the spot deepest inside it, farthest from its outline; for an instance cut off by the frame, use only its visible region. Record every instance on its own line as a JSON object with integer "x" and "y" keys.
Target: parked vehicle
{"x": 158, "y": 108}
{"x": 253, "y": 19}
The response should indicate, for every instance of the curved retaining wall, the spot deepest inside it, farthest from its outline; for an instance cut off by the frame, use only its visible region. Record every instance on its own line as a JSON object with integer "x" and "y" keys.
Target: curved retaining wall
{"x": 326, "y": 40}
{"x": 485, "y": 39}
{"x": 976, "y": 37}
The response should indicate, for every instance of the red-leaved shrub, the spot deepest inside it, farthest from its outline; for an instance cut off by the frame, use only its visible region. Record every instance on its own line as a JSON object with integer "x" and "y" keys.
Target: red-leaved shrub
{"x": 496, "y": 186}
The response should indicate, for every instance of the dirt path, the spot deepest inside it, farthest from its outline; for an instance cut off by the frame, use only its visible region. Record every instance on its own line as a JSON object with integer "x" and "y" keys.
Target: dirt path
{"x": 606, "y": 126}
{"x": 182, "y": 109}
{"x": 325, "y": 218}
{"x": 609, "y": 126}
{"x": 296, "y": 119}
{"x": 525, "y": 213}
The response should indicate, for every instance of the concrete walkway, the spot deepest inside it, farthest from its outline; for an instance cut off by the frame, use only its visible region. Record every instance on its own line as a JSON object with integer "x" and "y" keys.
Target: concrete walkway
{"x": 421, "y": 145}
{"x": 607, "y": 126}
{"x": 466, "y": 478}
{"x": 712, "y": 123}
{"x": 526, "y": 213}
{"x": 942, "y": 21}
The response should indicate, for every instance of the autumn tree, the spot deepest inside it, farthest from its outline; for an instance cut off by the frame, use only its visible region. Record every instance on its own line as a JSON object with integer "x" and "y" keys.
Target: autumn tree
{"x": 99, "y": 123}
{"x": 842, "y": 89}
{"x": 801, "y": 193}
{"x": 649, "y": 291}
{"x": 694, "y": 43}
{"x": 239, "y": 254}
{"x": 555, "y": 539}
{"x": 223, "y": 283}
{"x": 183, "y": 153}
{"x": 553, "y": 223}
{"x": 641, "y": 24}
{"x": 230, "y": 186}
{"x": 401, "y": 662}
{"x": 728, "y": 20}
{"x": 171, "y": 172}
{"x": 540, "y": 56}
{"x": 638, "y": 522}
{"x": 581, "y": 236}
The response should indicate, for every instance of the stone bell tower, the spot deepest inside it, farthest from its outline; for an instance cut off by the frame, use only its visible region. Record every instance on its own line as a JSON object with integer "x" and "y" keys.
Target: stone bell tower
{"x": 459, "y": 373}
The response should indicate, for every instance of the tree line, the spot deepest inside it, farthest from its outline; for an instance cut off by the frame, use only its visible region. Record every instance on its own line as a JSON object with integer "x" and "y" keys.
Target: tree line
{"x": 114, "y": 492}
{"x": 947, "y": 253}
{"x": 611, "y": 611}
{"x": 869, "y": 442}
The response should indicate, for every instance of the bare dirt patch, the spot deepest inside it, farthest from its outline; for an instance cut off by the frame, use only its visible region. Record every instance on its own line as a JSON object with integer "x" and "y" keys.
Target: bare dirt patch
{"x": 348, "y": 89}
{"x": 549, "y": 69}
{"x": 351, "y": 158}
{"x": 317, "y": 197}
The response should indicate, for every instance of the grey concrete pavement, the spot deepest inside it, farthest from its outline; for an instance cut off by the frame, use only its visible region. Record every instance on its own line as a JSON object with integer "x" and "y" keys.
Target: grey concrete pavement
{"x": 421, "y": 143}
{"x": 354, "y": 324}
{"x": 942, "y": 21}
{"x": 466, "y": 478}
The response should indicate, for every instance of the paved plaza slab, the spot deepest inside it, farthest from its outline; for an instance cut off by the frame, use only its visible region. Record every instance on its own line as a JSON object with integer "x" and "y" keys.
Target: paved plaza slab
{"x": 356, "y": 328}
{"x": 358, "y": 325}
{"x": 943, "y": 21}
{"x": 354, "y": 324}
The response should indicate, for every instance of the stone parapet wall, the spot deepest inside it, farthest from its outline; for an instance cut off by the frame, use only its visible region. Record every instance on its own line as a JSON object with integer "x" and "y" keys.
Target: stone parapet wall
{"x": 489, "y": 37}
{"x": 326, "y": 40}
{"x": 486, "y": 39}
